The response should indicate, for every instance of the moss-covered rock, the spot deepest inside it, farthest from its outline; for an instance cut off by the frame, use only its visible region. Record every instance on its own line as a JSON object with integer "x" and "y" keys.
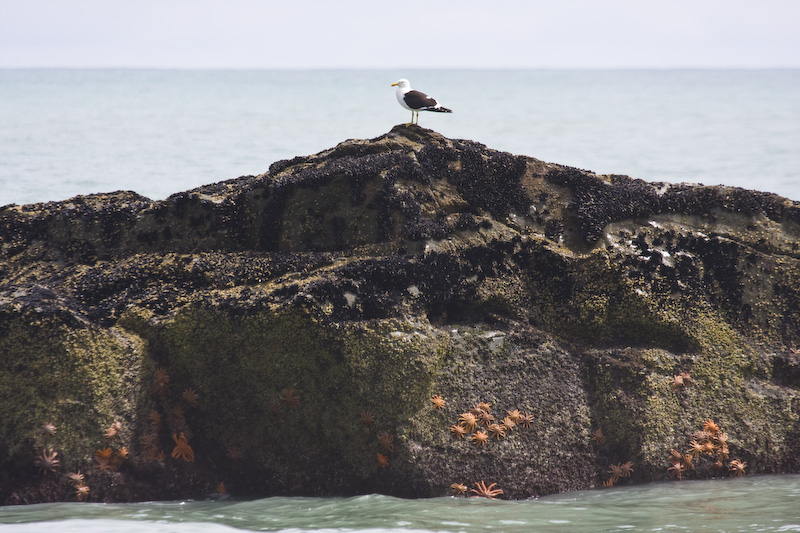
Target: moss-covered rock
{"x": 292, "y": 327}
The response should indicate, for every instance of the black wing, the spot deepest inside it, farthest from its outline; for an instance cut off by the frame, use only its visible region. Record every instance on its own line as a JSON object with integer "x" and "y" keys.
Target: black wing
{"x": 418, "y": 100}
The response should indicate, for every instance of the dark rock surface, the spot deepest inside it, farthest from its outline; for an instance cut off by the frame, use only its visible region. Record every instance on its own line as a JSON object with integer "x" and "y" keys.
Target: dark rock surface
{"x": 370, "y": 277}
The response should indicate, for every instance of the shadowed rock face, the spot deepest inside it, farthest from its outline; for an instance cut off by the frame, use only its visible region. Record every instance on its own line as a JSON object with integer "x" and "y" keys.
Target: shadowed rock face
{"x": 367, "y": 278}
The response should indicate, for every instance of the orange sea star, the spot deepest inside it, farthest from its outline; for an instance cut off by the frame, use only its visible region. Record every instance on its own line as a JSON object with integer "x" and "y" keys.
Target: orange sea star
{"x": 438, "y": 402}
{"x": 182, "y": 449}
{"x": 290, "y": 398}
{"x": 480, "y": 438}
{"x": 47, "y": 462}
{"x": 386, "y": 442}
{"x": 486, "y": 492}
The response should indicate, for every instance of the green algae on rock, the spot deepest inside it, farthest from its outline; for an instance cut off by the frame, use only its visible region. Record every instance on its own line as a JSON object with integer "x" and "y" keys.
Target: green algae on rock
{"x": 372, "y": 276}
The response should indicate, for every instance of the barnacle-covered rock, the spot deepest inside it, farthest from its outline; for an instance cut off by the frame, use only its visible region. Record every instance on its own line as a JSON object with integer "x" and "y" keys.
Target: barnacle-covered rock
{"x": 371, "y": 277}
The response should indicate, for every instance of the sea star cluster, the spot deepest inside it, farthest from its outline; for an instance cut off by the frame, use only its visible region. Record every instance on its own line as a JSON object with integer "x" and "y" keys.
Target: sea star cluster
{"x": 618, "y": 470}
{"x": 385, "y": 440}
{"x": 480, "y": 490}
{"x": 480, "y": 421}
{"x": 81, "y": 489}
{"x": 111, "y": 456}
{"x": 386, "y": 445}
{"x": 171, "y": 419}
{"x": 680, "y": 381}
{"x": 479, "y": 426}
{"x": 708, "y": 444}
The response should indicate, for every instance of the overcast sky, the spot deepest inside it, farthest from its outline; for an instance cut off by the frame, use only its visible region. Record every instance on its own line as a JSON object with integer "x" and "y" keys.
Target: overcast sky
{"x": 400, "y": 33}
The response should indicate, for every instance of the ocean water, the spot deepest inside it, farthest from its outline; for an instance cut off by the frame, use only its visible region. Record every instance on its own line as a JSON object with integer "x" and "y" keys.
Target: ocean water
{"x": 157, "y": 132}
{"x": 758, "y": 503}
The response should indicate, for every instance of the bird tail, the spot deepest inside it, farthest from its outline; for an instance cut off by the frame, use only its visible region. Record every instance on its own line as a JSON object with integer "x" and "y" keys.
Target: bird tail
{"x": 439, "y": 109}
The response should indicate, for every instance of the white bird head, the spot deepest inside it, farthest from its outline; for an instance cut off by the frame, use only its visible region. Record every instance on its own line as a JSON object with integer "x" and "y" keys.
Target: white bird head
{"x": 403, "y": 84}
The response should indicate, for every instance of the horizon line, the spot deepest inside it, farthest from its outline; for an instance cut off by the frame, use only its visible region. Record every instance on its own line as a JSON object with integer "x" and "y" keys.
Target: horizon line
{"x": 343, "y": 68}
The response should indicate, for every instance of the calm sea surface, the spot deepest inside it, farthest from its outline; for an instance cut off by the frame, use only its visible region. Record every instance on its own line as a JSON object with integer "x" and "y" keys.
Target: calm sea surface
{"x": 760, "y": 503}
{"x": 157, "y": 132}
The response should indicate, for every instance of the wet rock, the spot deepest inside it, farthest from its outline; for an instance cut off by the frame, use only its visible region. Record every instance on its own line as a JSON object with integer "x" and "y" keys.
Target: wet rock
{"x": 284, "y": 322}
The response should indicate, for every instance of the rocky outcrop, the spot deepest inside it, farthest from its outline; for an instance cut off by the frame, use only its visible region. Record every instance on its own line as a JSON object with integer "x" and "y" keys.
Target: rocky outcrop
{"x": 290, "y": 325}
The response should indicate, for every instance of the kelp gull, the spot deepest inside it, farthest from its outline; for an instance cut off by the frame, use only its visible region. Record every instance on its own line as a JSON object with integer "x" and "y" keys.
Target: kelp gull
{"x": 416, "y": 101}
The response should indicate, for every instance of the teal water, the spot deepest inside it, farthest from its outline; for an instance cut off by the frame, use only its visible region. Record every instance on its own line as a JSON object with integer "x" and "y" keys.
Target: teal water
{"x": 758, "y": 503}
{"x": 157, "y": 132}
